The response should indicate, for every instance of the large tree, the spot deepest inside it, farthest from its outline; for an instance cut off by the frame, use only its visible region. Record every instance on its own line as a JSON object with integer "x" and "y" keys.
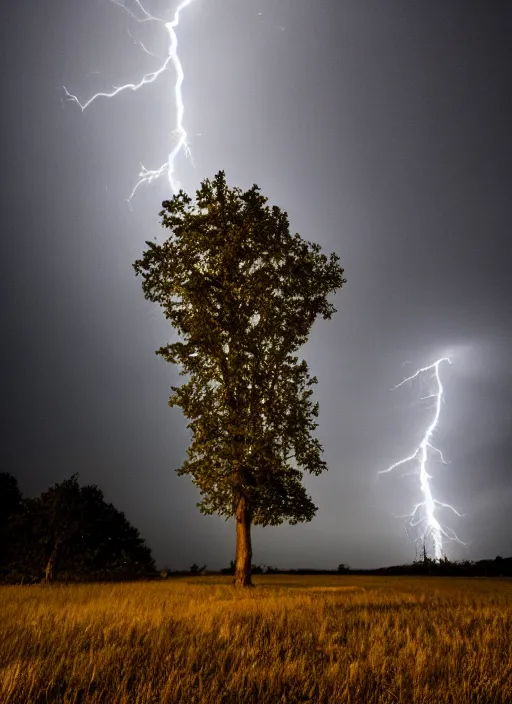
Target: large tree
{"x": 242, "y": 294}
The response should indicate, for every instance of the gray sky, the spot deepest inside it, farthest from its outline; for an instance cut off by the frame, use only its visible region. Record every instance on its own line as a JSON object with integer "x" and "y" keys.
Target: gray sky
{"x": 383, "y": 128}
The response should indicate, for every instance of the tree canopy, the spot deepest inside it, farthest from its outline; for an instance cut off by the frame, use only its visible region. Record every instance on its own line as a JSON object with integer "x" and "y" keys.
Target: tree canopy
{"x": 72, "y": 531}
{"x": 242, "y": 294}
{"x": 10, "y": 503}
{"x": 10, "y": 497}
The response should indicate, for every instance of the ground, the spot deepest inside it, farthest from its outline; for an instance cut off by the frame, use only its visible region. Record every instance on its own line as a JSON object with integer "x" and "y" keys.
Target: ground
{"x": 291, "y": 639}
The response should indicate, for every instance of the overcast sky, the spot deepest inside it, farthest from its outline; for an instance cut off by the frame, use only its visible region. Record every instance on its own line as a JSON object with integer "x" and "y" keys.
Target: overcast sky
{"x": 384, "y": 129}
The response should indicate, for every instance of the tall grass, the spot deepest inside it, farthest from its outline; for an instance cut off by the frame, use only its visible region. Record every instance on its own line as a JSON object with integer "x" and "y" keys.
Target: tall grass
{"x": 291, "y": 639}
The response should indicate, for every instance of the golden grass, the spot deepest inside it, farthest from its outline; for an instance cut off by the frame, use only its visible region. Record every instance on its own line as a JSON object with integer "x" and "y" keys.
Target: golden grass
{"x": 291, "y": 639}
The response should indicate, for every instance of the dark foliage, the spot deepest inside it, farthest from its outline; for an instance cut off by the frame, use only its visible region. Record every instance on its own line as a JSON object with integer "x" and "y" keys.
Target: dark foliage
{"x": 10, "y": 504}
{"x": 10, "y": 497}
{"x": 499, "y": 567}
{"x": 196, "y": 570}
{"x": 230, "y": 569}
{"x": 71, "y": 533}
{"x": 255, "y": 569}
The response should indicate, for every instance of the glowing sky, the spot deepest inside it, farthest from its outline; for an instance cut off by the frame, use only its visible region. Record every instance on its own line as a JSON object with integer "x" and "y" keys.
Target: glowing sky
{"x": 383, "y": 129}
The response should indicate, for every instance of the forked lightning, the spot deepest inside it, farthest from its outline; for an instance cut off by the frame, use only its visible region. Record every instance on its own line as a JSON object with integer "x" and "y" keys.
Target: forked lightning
{"x": 424, "y": 513}
{"x": 147, "y": 176}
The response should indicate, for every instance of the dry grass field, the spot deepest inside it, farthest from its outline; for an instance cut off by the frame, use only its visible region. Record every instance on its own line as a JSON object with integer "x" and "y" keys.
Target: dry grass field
{"x": 291, "y": 639}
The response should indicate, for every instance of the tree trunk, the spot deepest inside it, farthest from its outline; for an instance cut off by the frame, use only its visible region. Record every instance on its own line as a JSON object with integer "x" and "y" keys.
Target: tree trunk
{"x": 243, "y": 544}
{"x": 49, "y": 570}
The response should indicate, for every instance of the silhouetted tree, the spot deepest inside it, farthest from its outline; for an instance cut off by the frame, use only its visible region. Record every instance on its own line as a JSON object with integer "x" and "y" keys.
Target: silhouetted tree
{"x": 230, "y": 569}
{"x": 109, "y": 545}
{"x": 71, "y": 530}
{"x": 10, "y": 504}
{"x": 243, "y": 294}
{"x": 196, "y": 569}
{"x": 10, "y": 496}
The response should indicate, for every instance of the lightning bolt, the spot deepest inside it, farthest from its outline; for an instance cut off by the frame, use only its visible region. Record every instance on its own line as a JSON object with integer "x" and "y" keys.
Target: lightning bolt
{"x": 147, "y": 176}
{"x": 424, "y": 513}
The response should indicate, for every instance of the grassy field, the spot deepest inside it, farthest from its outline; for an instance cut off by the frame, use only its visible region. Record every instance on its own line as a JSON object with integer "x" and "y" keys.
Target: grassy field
{"x": 291, "y": 639}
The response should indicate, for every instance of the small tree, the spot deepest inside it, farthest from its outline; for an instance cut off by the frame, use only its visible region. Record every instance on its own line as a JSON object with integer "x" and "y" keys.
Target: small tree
{"x": 71, "y": 530}
{"x": 197, "y": 569}
{"x": 242, "y": 293}
{"x": 230, "y": 569}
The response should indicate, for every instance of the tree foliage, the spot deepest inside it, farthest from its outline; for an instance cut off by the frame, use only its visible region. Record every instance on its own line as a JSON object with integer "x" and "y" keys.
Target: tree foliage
{"x": 71, "y": 532}
{"x": 10, "y": 505}
{"x": 242, "y": 294}
{"x": 10, "y": 497}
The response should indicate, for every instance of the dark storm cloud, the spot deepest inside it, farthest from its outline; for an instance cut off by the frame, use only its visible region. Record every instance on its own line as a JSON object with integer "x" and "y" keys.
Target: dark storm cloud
{"x": 383, "y": 129}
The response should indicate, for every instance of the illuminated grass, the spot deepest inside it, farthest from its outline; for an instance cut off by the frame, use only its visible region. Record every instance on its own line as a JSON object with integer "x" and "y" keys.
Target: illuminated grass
{"x": 292, "y": 639}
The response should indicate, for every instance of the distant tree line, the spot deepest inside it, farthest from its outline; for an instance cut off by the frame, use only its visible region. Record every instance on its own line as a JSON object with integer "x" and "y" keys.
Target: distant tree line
{"x": 426, "y": 566}
{"x": 69, "y": 533}
{"x": 499, "y": 567}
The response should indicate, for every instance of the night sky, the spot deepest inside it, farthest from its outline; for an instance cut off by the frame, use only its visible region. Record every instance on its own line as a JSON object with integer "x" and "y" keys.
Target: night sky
{"x": 384, "y": 129}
